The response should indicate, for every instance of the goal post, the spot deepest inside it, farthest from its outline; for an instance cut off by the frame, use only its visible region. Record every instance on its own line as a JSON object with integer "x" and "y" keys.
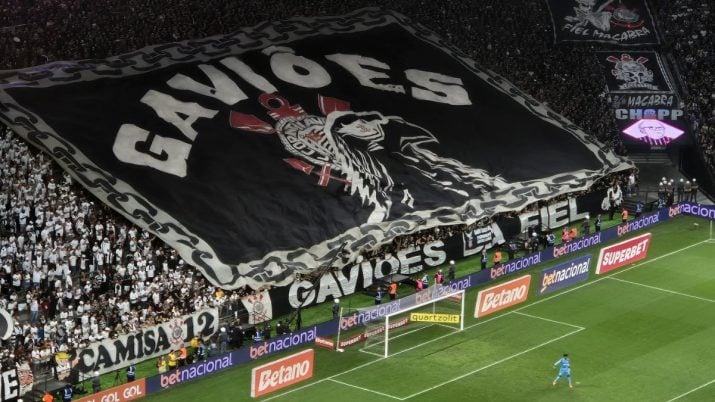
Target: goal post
{"x": 431, "y": 311}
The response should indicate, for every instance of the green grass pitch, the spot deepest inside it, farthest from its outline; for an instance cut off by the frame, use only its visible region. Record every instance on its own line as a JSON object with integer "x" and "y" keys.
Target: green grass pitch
{"x": 645, "y": 332}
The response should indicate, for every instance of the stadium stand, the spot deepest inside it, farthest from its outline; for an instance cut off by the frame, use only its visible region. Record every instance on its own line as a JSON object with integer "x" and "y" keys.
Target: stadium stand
{"x": 74, "y": 272}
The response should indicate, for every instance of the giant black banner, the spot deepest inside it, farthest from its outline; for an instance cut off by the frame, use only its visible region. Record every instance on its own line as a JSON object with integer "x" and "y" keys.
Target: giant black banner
{"x": 622, "y": 22}
{"x": 414, "y": 260}
{"x": 9, "y": 384}
{"x": 257, "y": 154}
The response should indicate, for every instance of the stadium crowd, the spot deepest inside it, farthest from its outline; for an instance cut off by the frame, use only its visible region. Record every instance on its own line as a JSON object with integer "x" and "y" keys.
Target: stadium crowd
{"x": 75, "y": 272}
{"x": 688, "y": 37}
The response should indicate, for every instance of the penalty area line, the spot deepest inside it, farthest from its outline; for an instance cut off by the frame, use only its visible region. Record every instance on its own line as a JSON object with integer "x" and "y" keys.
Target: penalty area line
{"x": 479, "y": 323}
{"x": 691, "y": 391}
{"x": 491, "y": 364}
{"x": 366, "y": 389}
{"x": 549, "y": 319}
{"x": 636, "y": 265}
{"x": 662, "y": 289}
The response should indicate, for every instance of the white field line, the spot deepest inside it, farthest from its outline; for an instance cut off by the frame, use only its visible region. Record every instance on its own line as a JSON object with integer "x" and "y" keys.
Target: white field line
{"x": 448, "y": 327}
{"x": 550, "y": 320}
{"x": 382, "y": 358}
{"x": 692, "y": 390}
{"x": 363, "y": 350}
{"x": 618, "y": 272}
{"x": 483, "y": 322}
{"x": 662, "y": 290}
{"x": 490, "y": 365}
{"x": 366, "y": 389}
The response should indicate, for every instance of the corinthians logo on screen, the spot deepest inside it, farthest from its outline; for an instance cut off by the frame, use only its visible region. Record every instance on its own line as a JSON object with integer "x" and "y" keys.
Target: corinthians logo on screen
{"x": 258, "y": 154}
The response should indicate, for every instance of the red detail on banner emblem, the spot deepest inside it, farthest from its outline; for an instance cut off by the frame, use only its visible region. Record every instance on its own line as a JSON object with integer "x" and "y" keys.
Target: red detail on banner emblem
{"x": 298, "y": 164}
{"x": 328, "y": 105}
{"x": 250, "y": 122}
{"x": 279, "y": 107}
{"x": 324, "y": 176}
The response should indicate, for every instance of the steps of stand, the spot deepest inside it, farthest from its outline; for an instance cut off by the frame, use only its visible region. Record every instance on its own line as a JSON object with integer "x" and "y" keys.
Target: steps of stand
{"x": 654, "y": 158}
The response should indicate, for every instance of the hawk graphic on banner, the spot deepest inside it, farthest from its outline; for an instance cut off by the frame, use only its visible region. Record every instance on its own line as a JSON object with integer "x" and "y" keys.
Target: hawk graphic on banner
{"x": 256, "y": 159}
{"x": 585, "y": 15}
{"x": 350, "y": 143}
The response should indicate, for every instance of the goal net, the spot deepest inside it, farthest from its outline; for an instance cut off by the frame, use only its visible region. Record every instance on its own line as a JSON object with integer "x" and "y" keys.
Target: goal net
{"x": 427, "y": 320}
{"x": 427, "y": 314}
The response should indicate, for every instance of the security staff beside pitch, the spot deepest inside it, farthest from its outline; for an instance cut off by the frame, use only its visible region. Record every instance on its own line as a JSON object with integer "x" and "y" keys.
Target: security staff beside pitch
{"x": 131, "y": 372}
{"x": 67, "y": 393}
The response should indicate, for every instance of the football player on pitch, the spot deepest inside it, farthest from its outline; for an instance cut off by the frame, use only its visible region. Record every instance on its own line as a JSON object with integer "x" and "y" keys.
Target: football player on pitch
{"x": 565, "y": 369}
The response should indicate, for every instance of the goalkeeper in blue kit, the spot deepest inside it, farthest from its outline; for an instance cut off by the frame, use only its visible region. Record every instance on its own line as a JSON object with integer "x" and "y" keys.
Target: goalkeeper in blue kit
{"x": 564, "y": 364}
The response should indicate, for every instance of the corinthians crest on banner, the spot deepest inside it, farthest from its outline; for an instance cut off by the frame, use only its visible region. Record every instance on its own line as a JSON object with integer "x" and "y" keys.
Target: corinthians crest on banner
{"x": 634, "y": 72}
{"x": 622, "y": 22}
{"x": 258, "y": 154}
{"x": 259, "y": 307}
